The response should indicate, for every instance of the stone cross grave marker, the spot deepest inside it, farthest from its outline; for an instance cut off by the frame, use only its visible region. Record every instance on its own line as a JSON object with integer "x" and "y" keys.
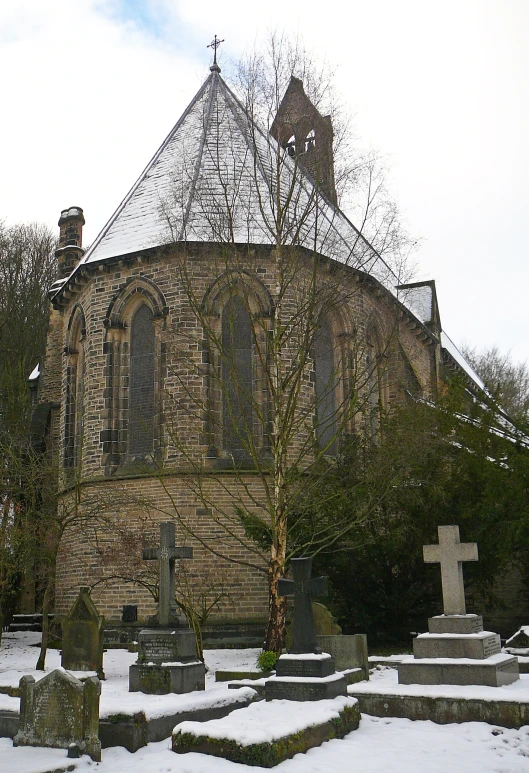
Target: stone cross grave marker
{"x": 58, "y": 711}
{"x": 166, "y": 555}
{"x": 82, "y": 636}
{"x": 302, "y": 587}
{"x": 451, "y": 553}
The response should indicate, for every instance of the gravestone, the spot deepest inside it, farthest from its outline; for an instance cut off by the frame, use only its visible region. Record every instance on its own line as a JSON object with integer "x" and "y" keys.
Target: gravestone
{"x": 82, "y": 636}
{"x": 58, "y": 711}
{"x": 167, "y": 654}
{"x": 305, "y": 673}
{"x": 456, "y": 649}
{"x": 519, "y": 643}
{"x": 348, "y": 650}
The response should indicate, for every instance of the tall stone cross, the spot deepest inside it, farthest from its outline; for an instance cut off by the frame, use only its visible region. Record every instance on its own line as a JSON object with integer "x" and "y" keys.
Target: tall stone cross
{"x": 302, "y": 587}
{"x": 451, "y": 553}
{"x": 166, "y": 555}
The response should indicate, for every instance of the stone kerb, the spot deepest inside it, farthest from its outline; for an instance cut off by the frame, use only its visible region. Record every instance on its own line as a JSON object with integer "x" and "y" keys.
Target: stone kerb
{"x": 58, "y": 711}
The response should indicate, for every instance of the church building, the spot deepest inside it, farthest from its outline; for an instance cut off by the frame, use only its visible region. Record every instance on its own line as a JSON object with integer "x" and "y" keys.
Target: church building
{"x": 159, "y": 389}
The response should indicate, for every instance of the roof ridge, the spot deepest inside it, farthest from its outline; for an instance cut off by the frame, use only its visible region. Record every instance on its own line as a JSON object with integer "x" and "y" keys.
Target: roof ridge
{"x": 213, "y": 78}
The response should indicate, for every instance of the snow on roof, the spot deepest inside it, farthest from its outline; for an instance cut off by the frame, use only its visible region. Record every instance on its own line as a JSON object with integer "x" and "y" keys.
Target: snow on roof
{"x": 35, "y": 373}
{"x": 419, "y": 300}
{"x": 214, "y": 178}
{"x": 216, "y": 161}
{"x": 453, "y": 351}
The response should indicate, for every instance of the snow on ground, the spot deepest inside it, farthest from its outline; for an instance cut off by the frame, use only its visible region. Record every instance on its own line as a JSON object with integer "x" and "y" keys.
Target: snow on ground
{"x": 378, "y": 746}
{"x": 18, "y": 657}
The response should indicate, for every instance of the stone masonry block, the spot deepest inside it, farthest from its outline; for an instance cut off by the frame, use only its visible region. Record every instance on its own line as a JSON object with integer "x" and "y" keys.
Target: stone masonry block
{"x": 450, "y": 645}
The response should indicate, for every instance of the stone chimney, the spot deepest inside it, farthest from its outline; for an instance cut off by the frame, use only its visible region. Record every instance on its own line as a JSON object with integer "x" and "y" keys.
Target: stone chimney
{"x": 70, "y": 250}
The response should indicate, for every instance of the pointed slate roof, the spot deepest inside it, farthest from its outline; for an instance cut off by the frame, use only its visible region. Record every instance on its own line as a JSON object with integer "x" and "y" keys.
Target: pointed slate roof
{"x": 214, "y": 179}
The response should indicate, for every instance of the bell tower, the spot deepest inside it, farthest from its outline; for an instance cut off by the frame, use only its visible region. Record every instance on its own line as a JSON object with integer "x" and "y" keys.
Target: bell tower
{"x": 307, "y": 136}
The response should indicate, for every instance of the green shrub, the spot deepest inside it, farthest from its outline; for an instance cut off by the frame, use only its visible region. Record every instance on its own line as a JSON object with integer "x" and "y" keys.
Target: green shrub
{"x": 267, "y": 660}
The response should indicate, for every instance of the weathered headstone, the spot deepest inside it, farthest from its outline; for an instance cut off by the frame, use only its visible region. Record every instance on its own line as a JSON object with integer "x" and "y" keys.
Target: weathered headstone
{"x": 82, "y": 636}
{"x": 305, "y": 673}
{"x": 167, "y": 654}
{"x": 58, "y": 711}
{"x": 456, "y": 649}
{"x": 348, "y": 651}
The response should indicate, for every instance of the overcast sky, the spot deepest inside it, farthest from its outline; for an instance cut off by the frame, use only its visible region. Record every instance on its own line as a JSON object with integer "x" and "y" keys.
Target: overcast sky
{"x": 90, "y": 88}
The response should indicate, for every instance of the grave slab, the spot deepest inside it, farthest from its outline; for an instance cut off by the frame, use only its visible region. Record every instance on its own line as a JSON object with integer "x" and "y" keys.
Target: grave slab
{"x": 135, "y": 730}
{"x": 265, "y": 734}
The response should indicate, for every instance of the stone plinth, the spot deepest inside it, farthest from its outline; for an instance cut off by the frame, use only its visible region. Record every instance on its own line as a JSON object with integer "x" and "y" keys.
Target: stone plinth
{"x": 156, "y": 679}
{"x": 307, "y": 677}
{"x": 494, "y": 671}
{"x": 455, "y": 624}
{"x": 451, "y": 645}
{"x": 167, "y": 662}
{"x": 161, "y": 645}
{"x": 305, "y": 665}
{"x": 306, "y": 689}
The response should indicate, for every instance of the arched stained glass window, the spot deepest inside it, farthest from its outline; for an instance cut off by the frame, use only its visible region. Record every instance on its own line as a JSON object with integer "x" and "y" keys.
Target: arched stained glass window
{"x": 141, "y": 385}
{"x": 237, "y": 378}
{"x": 325, "y": 389}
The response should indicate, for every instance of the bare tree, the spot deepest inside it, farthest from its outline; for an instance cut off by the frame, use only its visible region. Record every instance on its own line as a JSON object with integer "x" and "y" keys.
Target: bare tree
{"x": 27, "y": 270}
{"x": 507, "y": 380}
{"x": 268, "y": 367}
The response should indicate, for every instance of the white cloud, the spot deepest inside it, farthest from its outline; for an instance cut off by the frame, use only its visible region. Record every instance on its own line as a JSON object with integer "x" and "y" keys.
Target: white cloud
{"x": 90, "y": 88}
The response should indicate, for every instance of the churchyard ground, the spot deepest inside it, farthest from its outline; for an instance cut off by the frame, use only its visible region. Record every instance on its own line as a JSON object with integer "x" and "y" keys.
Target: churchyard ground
{"x": 379, "y": 744}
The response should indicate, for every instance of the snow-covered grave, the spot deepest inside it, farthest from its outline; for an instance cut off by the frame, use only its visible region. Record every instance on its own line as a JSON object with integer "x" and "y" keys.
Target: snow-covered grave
{"x": 389, "y": 743}
{"x": 126, "y": 718}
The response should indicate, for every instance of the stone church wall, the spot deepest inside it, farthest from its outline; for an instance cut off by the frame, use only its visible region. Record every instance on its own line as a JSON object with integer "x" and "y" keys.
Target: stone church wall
{"x": 95, "y": 549}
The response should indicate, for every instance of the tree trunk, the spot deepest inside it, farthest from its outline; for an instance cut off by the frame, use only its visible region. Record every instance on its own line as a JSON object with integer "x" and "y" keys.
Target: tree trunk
{"x": 46, "y": 605}
{"x": 277, "y": 609}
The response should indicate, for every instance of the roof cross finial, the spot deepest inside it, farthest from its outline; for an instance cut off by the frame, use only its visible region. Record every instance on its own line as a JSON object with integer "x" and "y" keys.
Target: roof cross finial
{"x": 215, "y": 43}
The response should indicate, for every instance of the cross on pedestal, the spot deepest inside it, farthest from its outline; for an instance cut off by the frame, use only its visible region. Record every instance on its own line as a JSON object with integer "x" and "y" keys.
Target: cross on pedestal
{"x": 166, "y": 555}
{"x": 302, "y": 587}
{"x": 451, "y": 553}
